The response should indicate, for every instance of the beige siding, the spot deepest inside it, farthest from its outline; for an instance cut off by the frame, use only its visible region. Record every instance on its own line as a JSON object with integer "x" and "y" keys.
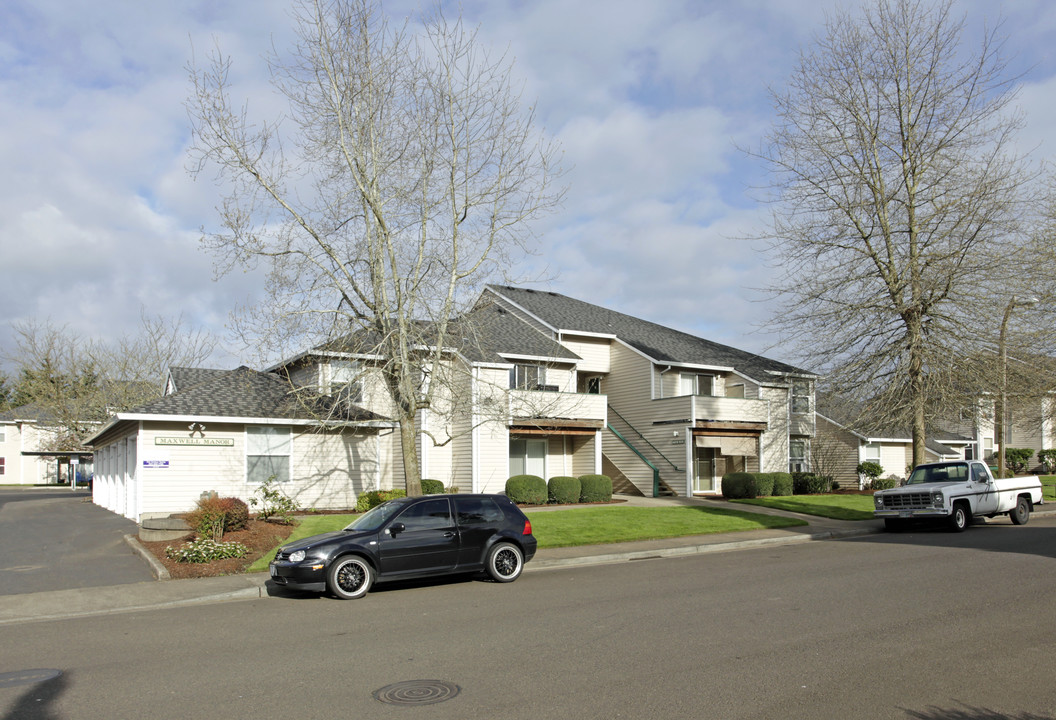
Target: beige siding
{"x": 835, "y": 452}
{"x": 594, "y": 352}
{"x": 773, "y": 451}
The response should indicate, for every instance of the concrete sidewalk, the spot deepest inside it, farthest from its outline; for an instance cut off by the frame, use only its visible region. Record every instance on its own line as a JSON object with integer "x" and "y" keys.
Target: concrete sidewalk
{"x": 82, "y": 602}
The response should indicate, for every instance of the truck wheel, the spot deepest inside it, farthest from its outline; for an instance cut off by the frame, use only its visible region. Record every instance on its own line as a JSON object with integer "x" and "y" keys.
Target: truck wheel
{"x": 959, "y": 519}
{"x": 1020, "y": 514}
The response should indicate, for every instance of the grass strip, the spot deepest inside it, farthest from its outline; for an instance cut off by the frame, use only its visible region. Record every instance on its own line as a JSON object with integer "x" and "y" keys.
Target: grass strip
{"x": 838, "y": 507}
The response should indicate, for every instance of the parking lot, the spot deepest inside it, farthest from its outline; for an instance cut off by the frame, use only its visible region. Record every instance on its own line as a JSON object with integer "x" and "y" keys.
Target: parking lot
{"x": 56, "y": 539}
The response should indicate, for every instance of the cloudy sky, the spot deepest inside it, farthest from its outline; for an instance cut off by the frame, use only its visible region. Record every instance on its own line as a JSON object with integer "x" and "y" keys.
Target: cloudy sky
{"x": 99, "y": 218}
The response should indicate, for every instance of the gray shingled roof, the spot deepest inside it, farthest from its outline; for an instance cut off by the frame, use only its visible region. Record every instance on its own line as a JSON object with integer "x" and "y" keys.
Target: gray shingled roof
{"x": 246, "y": 393}
{"x": 482, "y": 335}
{"x": 184, "y": 377}
{"x": 662, "y": 344}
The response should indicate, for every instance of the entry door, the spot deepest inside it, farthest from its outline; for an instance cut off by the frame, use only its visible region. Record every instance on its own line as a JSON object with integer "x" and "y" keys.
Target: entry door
{"x": 704, "y": 470}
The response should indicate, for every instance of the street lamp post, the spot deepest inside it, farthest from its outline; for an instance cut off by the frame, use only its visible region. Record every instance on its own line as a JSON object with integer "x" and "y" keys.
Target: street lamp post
{"x": 1001, "y": 411}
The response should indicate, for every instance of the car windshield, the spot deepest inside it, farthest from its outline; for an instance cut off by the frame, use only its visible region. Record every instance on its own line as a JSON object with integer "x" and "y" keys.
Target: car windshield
{"x": 949, "y": 472}
{"x": 377, "y": 516}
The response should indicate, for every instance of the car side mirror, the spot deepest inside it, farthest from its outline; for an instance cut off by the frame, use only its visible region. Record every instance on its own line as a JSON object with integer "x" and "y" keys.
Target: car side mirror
{"x": 396, "y": 528}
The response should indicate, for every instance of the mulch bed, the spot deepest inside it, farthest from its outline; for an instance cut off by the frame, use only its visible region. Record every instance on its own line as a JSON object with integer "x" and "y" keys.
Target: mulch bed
{"x": 259, "y": 536}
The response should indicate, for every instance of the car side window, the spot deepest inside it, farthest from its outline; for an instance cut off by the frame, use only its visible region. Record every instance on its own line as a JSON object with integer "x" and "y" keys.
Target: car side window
{"x": 978, "y": 474}
{"x": 477, "y": 511}
{"x": 426, "y": 515}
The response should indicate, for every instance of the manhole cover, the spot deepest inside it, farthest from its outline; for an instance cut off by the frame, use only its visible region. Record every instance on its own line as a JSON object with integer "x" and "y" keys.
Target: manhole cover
{"x": 27, "y": 677}
{"x": 417, "y": 692}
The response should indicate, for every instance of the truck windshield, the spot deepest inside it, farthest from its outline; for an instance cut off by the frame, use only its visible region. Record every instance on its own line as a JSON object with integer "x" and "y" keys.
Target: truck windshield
{"x": 951, "y": 472}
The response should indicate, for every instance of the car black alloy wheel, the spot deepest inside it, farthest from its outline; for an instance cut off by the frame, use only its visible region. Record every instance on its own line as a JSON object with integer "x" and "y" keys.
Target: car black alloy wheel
{"x": 505, "y": 562}
{"x": 350, "y": 577}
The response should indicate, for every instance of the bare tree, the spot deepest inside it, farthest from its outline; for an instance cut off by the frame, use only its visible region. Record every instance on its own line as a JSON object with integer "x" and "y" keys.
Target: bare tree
{"x": 74, "y": 383}
{"x": 900, "y": 202}
{"x": 403, "y": 177}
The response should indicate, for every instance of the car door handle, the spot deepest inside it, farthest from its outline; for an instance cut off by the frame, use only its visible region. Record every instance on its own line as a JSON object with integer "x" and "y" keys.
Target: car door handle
{"x": 449, "y": 534}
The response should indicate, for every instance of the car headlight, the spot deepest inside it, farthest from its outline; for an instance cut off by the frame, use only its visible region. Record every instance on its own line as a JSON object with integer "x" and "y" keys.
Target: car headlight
{"x": 297, "y": 556}
{"x": 878, "y": 500}
{"x": 936, "y": 500}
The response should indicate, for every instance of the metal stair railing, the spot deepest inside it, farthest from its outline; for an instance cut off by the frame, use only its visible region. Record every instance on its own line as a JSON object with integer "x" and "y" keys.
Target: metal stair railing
{"x": 644, "y": 439}
{"x": 632, "y": 448}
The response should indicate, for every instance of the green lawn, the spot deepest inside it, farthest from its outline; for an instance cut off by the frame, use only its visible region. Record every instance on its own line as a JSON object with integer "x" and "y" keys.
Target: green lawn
{"x": 839, "y": 507}
{"x": 1048, "y": 488}
{"x": 594, "y": 525}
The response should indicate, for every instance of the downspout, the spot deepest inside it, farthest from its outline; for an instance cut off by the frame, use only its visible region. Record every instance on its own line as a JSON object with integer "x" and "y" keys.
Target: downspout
{"x": 668, "y": 369}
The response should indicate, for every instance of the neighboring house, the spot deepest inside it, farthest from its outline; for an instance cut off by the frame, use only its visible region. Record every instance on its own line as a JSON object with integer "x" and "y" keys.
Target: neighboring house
{"x": 28, "y": 455}
{"x": 682, "y": 410}
{"x": 529, "y": 382}
{"x": 839, "y": 448}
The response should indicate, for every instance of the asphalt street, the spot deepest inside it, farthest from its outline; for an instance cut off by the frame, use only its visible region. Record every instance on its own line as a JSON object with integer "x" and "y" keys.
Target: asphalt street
{"x": 923, "y": 624}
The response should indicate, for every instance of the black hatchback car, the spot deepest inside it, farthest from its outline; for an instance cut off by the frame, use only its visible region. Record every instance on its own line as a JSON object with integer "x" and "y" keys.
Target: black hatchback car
{"x": 408, "y": 538}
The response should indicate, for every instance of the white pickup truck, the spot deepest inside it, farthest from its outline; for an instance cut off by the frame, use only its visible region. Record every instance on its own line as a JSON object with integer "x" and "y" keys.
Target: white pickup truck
{"x": 956, "y": 492}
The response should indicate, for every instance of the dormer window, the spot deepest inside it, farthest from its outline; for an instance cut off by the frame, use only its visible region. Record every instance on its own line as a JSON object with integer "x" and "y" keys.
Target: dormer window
{"x": 527, "y": 377}
{"x": 346, "y": 380}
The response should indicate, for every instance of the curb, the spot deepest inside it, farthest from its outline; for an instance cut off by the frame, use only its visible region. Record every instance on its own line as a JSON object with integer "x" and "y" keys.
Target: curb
{"x": 155, "y": 567}
{"x": 609, "y": 558}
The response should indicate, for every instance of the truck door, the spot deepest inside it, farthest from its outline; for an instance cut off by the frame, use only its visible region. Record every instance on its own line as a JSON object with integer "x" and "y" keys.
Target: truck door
{"x": 983, "y": 486}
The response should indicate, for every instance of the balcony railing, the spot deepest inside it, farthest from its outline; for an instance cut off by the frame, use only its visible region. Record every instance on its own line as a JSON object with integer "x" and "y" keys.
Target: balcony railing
{"x": 704, "y": 407}
{"x": 546, "y": 404}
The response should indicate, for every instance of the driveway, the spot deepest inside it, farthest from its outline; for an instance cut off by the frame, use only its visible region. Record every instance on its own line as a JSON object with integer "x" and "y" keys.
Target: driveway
{"x": 57, "y": 539}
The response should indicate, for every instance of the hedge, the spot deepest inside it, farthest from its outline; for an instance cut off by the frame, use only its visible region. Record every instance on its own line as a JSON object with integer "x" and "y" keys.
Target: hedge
{"x": 782, "y": 483}
{"x": 739, "y": 485}
{"x": 432, "y": 487}
{"x": 526, "y": 489}
{"x": 376, "y": 497}
{"x": 810, "y": 484}
{"x": 595, "y": 488}
{"x": 764, "y": 484}
{"x": 563, "y": 490}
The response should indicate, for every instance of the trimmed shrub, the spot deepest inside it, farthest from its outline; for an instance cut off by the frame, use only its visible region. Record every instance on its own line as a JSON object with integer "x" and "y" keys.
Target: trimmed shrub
{"x": 236, "y": 514}
{"x": 782, "y": 483}
{"x": 884, "y": 483}
{"x": 376, "y": 497}
{"x": 205, "y": 550}
{"x": 526, "y": 489}
{"x": 563, "y": 490}
{"x": 1048, "y": 459}
{"x": 207, "y": 518}
{"x": 595, "y": 488}
{"x": 432, "y": 487}
{"x": 870, "y": 470}
{"x": 764, "y": 484}
{"x": 810, "y": 484}
{"x": 739, "y": 485}
{"x": 1016, "y": 459}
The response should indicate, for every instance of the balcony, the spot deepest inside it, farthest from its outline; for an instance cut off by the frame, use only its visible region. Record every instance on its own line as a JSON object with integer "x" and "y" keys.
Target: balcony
{"x": 714, "y": 409}
{"x": 537, "y": 404}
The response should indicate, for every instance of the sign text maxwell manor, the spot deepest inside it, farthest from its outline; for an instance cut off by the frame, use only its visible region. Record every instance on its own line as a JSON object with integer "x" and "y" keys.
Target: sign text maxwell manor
{"x": 216, "y": 442}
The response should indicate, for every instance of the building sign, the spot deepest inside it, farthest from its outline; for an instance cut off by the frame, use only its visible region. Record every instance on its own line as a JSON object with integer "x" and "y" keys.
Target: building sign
{"x": 197, "y": 441}
{"x": 155, "y": 464}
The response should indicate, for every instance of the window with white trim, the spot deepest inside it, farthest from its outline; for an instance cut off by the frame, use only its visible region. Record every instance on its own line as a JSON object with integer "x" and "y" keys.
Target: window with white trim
{"x": 797, "y": 456}
{"x": 872, "y": 453}
{"x": 800, "y": 396}
{"x": 267, "y": 454}
{"x": 346, "y": 379}
{"x": 2, "y": 468}
{"x": 527, "y": 377}
{"x": 528, "y": 457}
{"x": 696, "y": 384}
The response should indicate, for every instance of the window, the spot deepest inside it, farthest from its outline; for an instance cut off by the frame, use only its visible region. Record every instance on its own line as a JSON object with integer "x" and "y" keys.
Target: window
{"x": 800, "y": 396}
{"x": 346, "y": 380}
{"x": 2, "y": 468}
{"x": 428, "y": 515}
{"x": 694, "y": 384}
{"x": 2, "y": 436}
{"x": 797, "y": 456}
{"x": 594, "y": 385}
{"x": 872, "y": 453}
{"x": 267, "y": 454}
{"x": 527, "y": 457}
{"x": 527, "y": 377}
{"x": 477, "y": 511}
